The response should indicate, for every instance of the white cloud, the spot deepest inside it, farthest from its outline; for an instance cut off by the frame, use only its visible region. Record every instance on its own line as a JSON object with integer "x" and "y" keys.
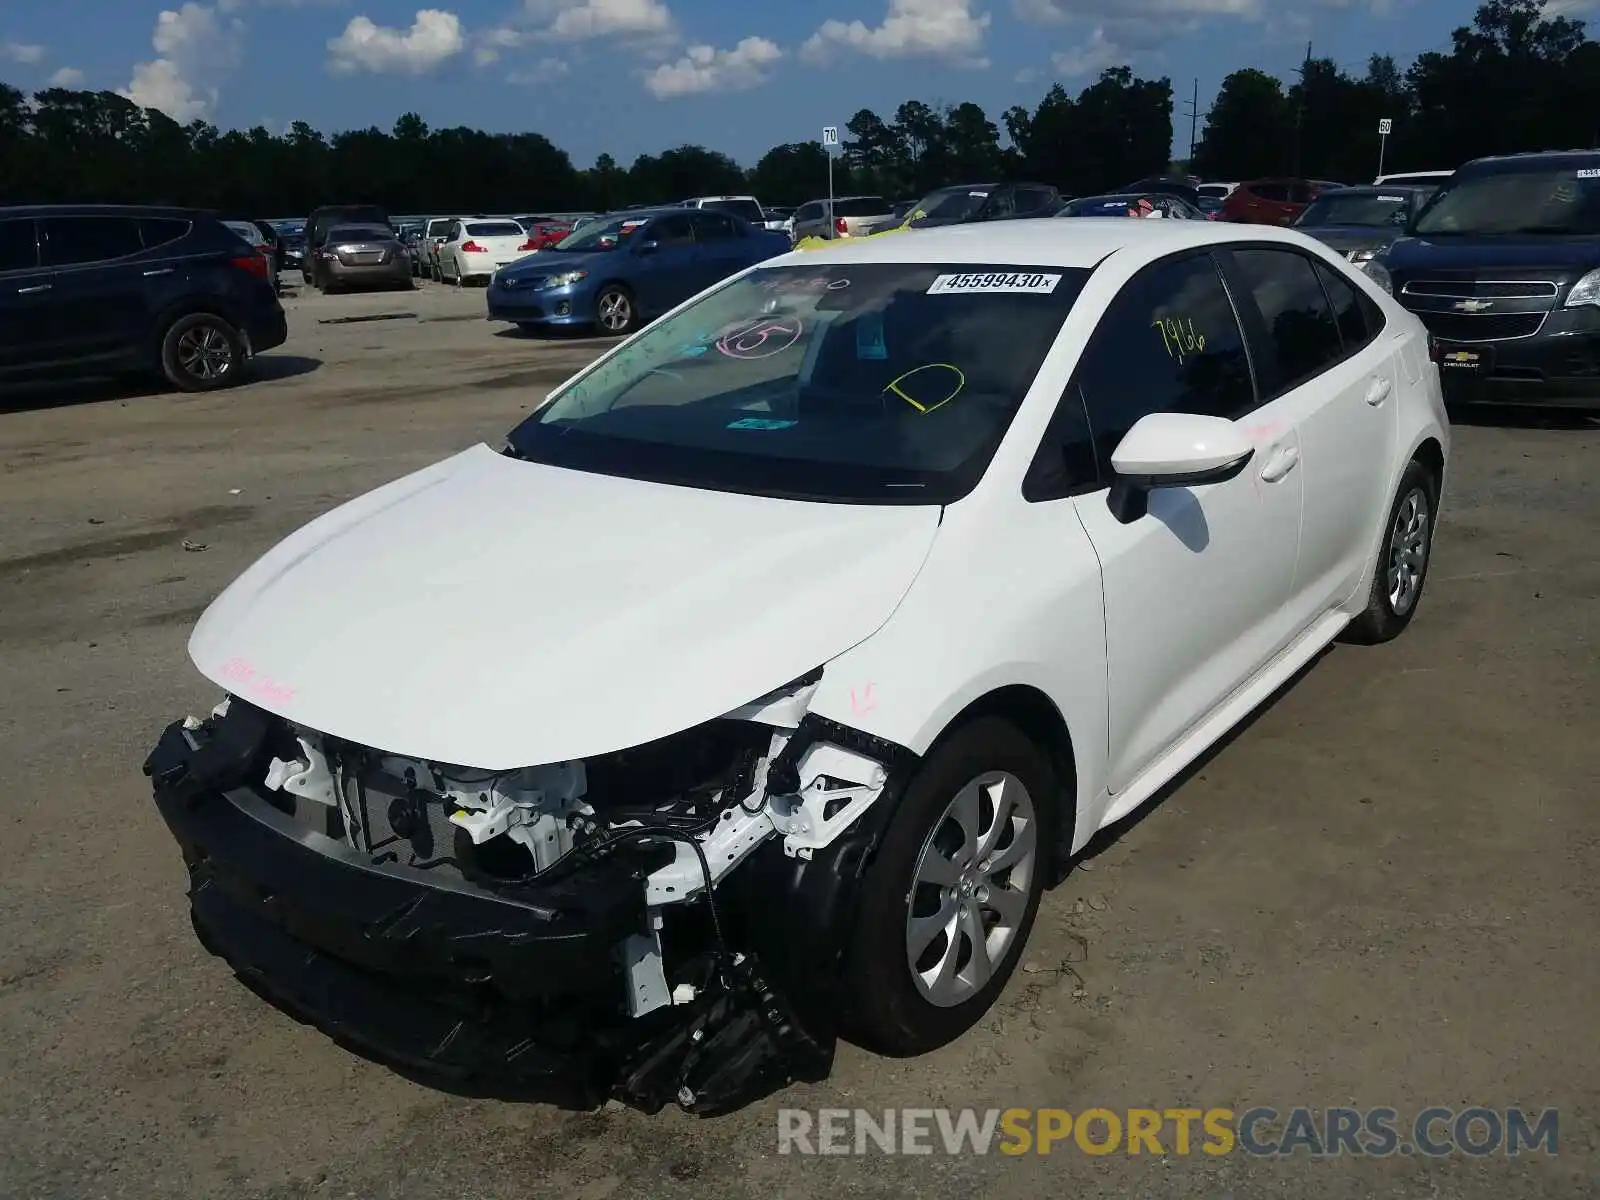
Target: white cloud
{"x": 1094, "y": 56}
{"x": 912, "y": 28}
{"x": 707, "y": 69}
{"x": 21, "y": 52}
{"x": 579, "y": 20}
{"x": 433, "y": 39}
{"x": 196, "y": 48}
{"x": 1061, "y": 12}
{"x": 546, "y": 70}
{"x": 1565, "y": 8}
{"x": 67, "y": 77}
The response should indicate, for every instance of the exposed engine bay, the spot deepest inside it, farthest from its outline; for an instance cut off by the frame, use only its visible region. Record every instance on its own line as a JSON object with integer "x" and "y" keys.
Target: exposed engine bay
{"x": 710, "y": 1004}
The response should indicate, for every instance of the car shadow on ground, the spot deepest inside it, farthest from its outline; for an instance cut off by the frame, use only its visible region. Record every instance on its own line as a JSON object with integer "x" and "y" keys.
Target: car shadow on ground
{"x": 36, "y": 395}
{"x": 561, "y": 334}
{"x": 1524, "y": 416}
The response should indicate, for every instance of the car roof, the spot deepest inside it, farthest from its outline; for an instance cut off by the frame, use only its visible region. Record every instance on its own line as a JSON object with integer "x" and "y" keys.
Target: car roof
{"x": 648, "y": 210}
{"x": 1042, "y": 241}
{"x": 104, "y": 210}
{"x": 1547, "y": 159}
{"x": 1371, "y": 189}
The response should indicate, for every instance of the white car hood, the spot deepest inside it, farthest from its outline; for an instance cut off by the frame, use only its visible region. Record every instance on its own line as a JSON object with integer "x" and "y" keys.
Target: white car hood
{"x": 492, "y": 613}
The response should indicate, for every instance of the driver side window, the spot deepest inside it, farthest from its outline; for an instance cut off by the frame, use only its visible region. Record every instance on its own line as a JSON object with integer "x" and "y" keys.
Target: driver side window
{"x": 672, "y": 231}
{"x": 1169, "y": 342}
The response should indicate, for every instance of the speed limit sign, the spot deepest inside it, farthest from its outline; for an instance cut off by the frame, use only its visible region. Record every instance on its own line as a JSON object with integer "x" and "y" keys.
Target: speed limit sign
{"x": 1386, "y": 126}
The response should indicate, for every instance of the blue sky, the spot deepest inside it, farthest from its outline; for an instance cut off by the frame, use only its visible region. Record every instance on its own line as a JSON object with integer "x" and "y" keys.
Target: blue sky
{"x": 635, "y": 76}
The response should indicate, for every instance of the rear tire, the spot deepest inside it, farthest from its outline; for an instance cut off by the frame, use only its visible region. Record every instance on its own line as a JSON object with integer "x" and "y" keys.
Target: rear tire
{"x": 1401, "y": 571}
{"x": 901, "y": 1009}
{"x": 201, "y": 353}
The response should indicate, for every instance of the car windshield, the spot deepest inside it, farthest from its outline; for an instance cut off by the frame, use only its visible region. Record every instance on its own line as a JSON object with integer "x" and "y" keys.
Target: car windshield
{"x": 1099, "y": 206}
{"x": 867, "y": 382}
{"x": 495, "y": 229}
{"x": 360, "y": 233}
{"x": 1554, "y": 201}
{"x": 748, "y": 209}
{"x": 1356, "y": 208}
{"x": 952, "y": 204}
{"x": 604, "y": 233}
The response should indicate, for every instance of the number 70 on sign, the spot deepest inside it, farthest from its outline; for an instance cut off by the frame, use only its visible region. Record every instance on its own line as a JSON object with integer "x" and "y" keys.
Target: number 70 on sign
{"x": 830, "y": 135}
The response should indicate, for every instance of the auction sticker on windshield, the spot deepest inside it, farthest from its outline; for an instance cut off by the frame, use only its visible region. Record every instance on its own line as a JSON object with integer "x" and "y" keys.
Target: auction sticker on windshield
{"x": 1000, "y": 281}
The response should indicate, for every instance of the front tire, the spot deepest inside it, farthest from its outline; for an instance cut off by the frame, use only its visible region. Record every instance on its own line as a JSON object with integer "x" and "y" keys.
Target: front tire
{"x": 615, "y": 311}
{"x": 201, "y": 353}
{"x": 948, "y": 903}
{"x": 1402, "y": 567}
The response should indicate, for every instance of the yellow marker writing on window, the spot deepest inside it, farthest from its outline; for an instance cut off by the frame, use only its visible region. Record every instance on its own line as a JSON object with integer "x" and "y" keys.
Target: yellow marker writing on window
{"x": 923, "y": 406}
{"x": 1179, "y": 336}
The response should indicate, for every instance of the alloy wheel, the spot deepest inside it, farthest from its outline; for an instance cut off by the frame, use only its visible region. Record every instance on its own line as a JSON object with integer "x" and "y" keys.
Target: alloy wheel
{"x": 1408, "y": 551}
{"x": 614, "y": 312}
{"x": 205, "y": 352}
{"x": 970, "y": 889}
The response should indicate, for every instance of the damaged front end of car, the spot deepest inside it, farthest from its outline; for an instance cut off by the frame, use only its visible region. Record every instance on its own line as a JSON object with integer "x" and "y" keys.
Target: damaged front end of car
{"x": 665, "y": 924}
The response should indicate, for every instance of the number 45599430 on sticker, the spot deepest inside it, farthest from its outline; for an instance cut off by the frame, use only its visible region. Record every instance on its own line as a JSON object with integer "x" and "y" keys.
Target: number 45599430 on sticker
{"x": 998, "y": 281}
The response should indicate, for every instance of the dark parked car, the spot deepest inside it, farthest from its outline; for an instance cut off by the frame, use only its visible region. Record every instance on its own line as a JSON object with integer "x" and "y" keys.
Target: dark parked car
{"x": 1360, "y": 221}
{"x": 361, "y": 256}
{"x": 623, "y": 270}
{"x": 1134, "y": 204}
{"x": 323, "y": 219}
{"x": 1503, "y": 267}
{"x": 1162, "y": 185}
{"x": 966, "y": 202}
{"x": 103, "y": 290}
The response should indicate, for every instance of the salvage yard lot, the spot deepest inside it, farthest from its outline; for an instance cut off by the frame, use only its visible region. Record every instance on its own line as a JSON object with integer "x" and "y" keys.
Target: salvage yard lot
{"x": 1380, "y": 893}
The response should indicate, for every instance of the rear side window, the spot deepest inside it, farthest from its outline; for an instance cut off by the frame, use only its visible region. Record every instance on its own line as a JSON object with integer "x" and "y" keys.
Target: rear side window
{"x": 438, "y": 228}
{"x": 1302, "y": 333}
{"x": 714, "y": 226}
{"x": 1033, "y": 200}
{"x": 68, "y": 241}
{"x": 808, "y": 212}
{"x": 18, "y": 250}
{"x": 1268, "y": 191}
{"x": 860, "y": 206}
{"x": 1169, "y": 342}
{"x": 161, "y": 231}
{"x": 1358, "y": 318}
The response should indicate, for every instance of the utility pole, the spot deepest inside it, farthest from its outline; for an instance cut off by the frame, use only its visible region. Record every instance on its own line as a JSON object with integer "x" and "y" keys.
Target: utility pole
{"x": 1194, "y": 121}
{"x": 1300, "y": 111}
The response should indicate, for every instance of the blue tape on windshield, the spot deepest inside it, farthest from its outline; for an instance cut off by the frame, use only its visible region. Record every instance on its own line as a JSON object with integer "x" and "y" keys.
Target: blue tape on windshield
{"x": 869, "y": 337}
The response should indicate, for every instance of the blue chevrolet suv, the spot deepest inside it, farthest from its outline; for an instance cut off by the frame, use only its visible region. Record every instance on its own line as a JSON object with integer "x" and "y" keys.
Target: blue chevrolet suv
{"x": 1503, "y": 267}
{"x": 113, "y": 290}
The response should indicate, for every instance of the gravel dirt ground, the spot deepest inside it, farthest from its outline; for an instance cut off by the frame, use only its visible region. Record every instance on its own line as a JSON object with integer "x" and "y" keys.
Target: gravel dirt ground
{"x": 1379, "y": 893}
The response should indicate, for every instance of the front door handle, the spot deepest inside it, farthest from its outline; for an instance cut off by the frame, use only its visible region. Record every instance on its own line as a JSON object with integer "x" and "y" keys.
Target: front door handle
{"x": 1378, "y": 392}
{"x": 35, "y": 290}
{"x": 1280, "y": 464}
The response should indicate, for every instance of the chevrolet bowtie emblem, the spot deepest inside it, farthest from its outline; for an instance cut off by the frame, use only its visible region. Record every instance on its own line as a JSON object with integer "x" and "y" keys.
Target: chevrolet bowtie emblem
{"x": 1472, "y": 305}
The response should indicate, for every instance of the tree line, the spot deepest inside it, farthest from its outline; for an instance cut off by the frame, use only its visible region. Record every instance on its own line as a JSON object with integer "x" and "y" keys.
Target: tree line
{"x": 1512, "y": 80}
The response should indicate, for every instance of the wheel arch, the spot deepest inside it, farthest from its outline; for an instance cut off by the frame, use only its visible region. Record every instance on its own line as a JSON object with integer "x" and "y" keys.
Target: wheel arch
{"x": 1038, "y": 718}
{"x": 188, "y": 306}
{"x": 1431, "y": 455}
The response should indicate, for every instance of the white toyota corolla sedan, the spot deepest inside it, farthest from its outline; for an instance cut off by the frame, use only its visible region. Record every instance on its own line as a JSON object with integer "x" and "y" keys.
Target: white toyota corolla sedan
{"x": 755, "y": 689}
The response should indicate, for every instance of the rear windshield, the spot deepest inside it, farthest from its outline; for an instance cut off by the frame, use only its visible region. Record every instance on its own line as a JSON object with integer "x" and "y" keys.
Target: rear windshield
{"x": 865, "y": 382}
{"x": 495, "y": 229}
{"x": 862, "y": 206}
{"x": 748, "y": 209}
{"x": 360, "y": 233}
{"x": 439, "y": 227}
{"x": 1359, "y": 208}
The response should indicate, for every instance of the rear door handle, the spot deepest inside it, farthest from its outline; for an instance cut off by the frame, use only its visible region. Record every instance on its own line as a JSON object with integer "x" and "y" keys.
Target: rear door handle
{"x": 35, "y": 290}
{"x": 1378, "y": 392}
{"x": 1280, "y": 464}
{"x": 158, "y": 271}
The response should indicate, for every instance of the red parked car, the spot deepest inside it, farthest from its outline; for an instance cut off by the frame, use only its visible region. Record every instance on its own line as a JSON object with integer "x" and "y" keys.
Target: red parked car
{"x": 545, "y": 234}
{"x": 1269, "y": 201}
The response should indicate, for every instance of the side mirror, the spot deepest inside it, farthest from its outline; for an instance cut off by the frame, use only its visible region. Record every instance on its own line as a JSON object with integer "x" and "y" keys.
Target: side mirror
{"x": 1173, "y": 450}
